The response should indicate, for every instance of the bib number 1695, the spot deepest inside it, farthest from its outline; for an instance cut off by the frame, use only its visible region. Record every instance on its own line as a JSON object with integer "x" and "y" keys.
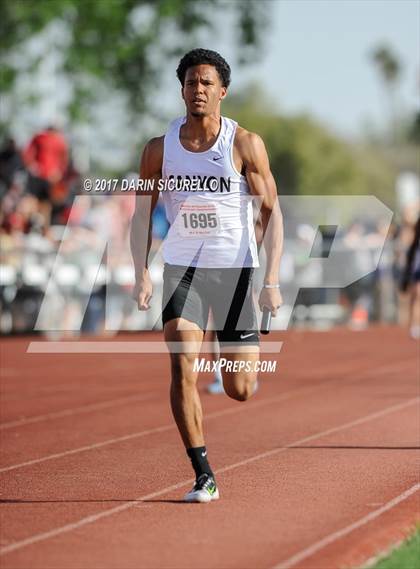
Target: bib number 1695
{"x": 199, "y": 220}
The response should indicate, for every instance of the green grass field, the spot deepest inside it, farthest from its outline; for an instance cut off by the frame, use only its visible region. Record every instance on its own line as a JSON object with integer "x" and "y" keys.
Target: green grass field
{"x": 407, "y": 556}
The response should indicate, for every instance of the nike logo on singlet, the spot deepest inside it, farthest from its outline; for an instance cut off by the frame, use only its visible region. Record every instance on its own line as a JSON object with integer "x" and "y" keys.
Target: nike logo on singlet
{"x": 243, "y": 336}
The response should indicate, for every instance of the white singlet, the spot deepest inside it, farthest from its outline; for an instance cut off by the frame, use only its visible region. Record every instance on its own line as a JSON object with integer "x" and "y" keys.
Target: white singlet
{"x": 208, "y": 206}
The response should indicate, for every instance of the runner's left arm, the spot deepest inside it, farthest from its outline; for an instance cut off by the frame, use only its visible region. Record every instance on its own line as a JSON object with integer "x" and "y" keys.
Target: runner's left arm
{"x": 262, "y": 185}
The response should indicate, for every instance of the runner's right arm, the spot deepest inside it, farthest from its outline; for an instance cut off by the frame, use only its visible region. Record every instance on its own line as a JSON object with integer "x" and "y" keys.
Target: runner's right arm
{"x": 141, "y": 223}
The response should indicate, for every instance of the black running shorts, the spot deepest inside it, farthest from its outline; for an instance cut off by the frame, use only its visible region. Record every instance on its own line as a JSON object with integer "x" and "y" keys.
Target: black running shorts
{"x": 190, "y": 292}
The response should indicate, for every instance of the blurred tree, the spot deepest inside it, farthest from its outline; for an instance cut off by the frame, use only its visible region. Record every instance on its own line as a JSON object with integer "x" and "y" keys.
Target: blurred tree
{"x": 116, "y": 41}
{"x": 414, "y": 129}
{"x": 389, "y": 67}
{"x": 305, "y": 158}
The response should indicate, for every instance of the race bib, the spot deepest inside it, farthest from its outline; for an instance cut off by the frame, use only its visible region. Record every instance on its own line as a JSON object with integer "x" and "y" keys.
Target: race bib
{"x": 198, "y": 219}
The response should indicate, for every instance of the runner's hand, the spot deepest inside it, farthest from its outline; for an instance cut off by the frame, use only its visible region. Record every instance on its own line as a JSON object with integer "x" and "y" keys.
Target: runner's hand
{"x": 142, "y": 292}
{"x": 271, "y": 298}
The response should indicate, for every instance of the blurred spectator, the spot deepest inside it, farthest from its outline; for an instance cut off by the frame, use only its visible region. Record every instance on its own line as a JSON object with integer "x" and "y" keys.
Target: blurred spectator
{"x": 160, "y": 224}
{"x": 385, "y": 285}
{"x": 404, "y": 236}
{"x": 360, "y": 293}
{"x": 10, "y": 163}
{"x": 52, "y": 176}
{"x": 47, "y": 155}
{"x": 410, "y": 282}
{"x": 61, "y": 195}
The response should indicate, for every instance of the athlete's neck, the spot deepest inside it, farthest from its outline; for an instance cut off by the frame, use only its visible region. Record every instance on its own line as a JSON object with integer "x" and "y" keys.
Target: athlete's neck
{"x": 202, "y": 128}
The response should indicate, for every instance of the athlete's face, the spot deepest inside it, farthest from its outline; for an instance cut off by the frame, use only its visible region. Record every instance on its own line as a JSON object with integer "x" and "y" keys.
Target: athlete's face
{"x": 203, "y": 90}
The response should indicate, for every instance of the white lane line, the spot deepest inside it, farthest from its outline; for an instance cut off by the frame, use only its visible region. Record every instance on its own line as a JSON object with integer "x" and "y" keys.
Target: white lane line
{"x": 325, "y": 433}
{"x": 74, "y": 411}
{"x": 314, "y": 548}
{"x": 89, "y": 519}
{"x": 163, "y": 428}
{"x": 94, "y": 517}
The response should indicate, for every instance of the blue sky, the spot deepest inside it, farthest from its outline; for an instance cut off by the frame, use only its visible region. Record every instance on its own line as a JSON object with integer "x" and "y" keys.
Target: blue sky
{"x": 316, "y": 60}
{"x": 317, "y": 57}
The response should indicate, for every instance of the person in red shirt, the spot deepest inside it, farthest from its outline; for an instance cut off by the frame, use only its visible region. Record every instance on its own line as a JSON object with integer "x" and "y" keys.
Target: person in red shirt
{"x": 47, "y": 160}
{"x": 47, "y": 155}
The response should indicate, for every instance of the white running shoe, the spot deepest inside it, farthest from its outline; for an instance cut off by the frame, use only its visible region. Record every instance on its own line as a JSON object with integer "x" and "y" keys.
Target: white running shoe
{"x": 204, "y": 490}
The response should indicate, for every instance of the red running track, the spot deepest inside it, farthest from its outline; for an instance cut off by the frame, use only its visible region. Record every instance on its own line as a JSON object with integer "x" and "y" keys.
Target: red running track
{"x": 319, "y": 469}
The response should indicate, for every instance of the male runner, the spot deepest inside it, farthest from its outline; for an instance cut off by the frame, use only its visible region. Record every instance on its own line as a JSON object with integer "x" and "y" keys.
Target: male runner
{"x": 210, "y": 250}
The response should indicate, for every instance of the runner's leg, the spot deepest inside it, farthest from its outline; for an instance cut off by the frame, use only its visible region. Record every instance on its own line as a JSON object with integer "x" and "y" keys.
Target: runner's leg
{"x": 240, "y": 384}
{"x": 185, "y": 400}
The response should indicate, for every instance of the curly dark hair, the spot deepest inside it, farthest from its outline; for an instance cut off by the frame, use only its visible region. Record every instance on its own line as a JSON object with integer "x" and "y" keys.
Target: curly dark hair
{"x": 201, "y": 56}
